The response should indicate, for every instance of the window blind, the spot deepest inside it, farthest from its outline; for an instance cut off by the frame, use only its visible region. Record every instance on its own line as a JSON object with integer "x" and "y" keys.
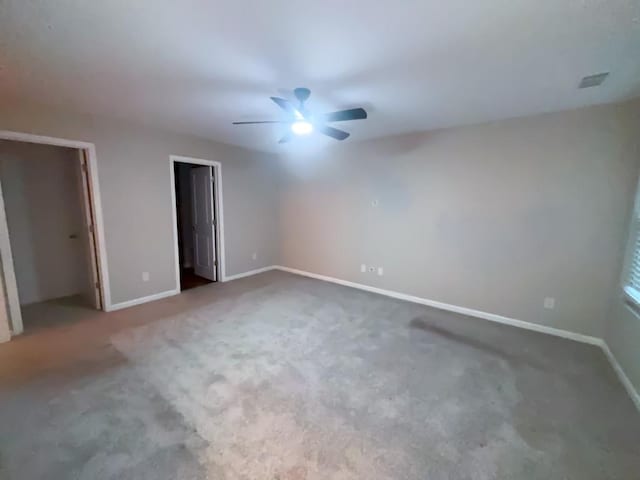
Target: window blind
{"x": 633, "y": 279}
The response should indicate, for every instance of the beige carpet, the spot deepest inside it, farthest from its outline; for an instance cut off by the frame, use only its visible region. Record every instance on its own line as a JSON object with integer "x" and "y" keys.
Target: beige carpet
{"x": 282, "y": 377}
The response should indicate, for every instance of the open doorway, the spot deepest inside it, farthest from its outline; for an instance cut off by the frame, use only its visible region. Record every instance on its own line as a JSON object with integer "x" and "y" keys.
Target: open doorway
{"x": 48, "y": 241}
{"x": 197, "y": 221}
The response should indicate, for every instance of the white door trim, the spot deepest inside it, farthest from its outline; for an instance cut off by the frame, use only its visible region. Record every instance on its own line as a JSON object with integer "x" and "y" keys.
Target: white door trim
{"x": 90, "y": 148}
{"x": 12, "y": 316}
{"x": 219, "y": 214}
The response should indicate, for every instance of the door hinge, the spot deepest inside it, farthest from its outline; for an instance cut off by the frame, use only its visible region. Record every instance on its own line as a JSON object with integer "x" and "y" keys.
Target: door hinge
{"x": 97, "y": 284}
{"x": 91, "y": 229}
{"x": 84, "y": 166}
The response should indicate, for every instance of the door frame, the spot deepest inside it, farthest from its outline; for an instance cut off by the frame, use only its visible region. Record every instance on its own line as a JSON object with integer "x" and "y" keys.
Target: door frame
{"x": 15, "y": 314}
{"x": 218, "y": 215}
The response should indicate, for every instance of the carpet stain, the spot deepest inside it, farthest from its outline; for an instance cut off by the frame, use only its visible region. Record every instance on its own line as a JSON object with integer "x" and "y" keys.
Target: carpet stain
{"x": 296, "y": 473}
{"x": 467, "y": 341}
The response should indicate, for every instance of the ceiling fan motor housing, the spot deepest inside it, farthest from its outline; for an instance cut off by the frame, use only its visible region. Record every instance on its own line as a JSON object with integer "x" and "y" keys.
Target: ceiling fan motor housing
{"x": 302, "y": 94}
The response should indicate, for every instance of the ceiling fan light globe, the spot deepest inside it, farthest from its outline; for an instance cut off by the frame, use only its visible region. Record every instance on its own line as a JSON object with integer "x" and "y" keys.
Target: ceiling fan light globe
{"x": 301, "y": 127}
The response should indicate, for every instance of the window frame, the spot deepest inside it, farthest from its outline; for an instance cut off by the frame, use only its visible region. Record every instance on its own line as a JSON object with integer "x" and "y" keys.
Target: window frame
{"x": 631, "y": 293}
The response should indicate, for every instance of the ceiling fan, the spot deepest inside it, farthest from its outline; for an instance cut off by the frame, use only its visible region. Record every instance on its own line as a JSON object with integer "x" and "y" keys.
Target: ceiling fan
{"x": 302, "y": 122}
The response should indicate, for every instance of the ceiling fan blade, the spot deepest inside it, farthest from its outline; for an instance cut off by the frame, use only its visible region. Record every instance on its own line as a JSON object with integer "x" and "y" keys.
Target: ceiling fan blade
{"x": 333, "y": 132}
{"x": 262, "y": 121}
{"x": 287, "y": 106}
{"x": 344, "y": 115}
{"x": 287, "y": 138}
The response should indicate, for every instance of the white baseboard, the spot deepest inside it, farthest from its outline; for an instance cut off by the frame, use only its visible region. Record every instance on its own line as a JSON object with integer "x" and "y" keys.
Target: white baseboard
{"x": 169, "y": 293}
{"x": 453, "y": 308}
{"x": 141, "y": 300}
{"x": 228, "y": 278}
{"x": 633, "y": 393}
{"x": 578, "y": 337}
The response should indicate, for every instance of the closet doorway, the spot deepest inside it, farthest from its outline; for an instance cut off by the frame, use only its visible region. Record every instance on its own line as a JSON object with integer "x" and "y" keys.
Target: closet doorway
{"x": 196, "y": 198}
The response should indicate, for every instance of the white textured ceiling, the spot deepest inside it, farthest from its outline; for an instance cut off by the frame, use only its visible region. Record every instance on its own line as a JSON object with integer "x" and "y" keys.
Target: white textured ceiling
{"x": 195, "y": 66}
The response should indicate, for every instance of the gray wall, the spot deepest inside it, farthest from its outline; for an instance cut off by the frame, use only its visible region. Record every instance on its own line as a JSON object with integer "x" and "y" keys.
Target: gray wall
{"x": 133, "y": 166}
{"x": 492, "y": 217}
{"x": 43, "y": 205}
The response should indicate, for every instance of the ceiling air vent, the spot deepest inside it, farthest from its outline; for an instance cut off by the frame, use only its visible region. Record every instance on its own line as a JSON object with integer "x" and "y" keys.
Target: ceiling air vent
{"x": 593, "y": 80}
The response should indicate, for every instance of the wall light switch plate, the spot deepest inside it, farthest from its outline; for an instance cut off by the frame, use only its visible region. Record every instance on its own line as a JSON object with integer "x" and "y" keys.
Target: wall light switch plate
{"x": 145, "y": 276}
{"x": 363, "y": 268}
{"x": 380, "y": 271}
{"x": 375, "y": 203}
{"x": 549, "y": 303}
{"x": 254, "y": 256}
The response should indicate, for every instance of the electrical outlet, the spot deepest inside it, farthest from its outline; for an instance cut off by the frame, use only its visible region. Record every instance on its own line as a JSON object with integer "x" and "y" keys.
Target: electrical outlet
{"x": 549, "y": 303}
{"x": 145, "y": 276}
{"x": 254, "y": 256}
{"x": 380, "y": 271}
{"x": 363, "y": 268}
{"x": 372, "y": 269}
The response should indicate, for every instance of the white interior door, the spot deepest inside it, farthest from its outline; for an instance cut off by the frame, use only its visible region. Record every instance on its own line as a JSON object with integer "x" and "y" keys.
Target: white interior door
{"x": 204, "y": 253}
{"x": 14, "y": 319}
{"x": 93, "y": 292}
